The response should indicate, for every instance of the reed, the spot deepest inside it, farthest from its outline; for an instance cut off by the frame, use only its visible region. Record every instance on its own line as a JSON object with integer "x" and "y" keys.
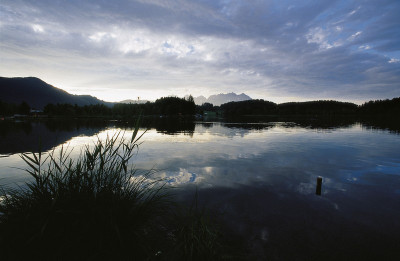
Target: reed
{"x": 196, "y": 235}
{"x": 93, "y": 207}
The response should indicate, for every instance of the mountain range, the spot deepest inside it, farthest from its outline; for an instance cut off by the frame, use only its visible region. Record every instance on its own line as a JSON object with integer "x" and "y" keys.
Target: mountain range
{"x": 221, "y": 98}
{"x": 38, "y": 93}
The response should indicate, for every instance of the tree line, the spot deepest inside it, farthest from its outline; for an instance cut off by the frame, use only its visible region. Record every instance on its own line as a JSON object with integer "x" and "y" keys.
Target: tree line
{"x": 323, "y": 108}
{"x": 186, "y": 106}
{"x": 12, "y": 108}
{"x": 162, "y": 106}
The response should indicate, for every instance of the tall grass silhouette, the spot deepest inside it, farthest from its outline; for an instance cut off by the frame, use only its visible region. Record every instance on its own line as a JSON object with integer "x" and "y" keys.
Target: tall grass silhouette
{"x": 97, "y": 207}
{"x": 92, "y": 207}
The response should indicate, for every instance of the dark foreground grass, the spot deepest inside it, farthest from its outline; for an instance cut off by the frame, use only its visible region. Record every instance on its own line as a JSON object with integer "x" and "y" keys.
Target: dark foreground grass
{"x": 97, "y": 208}
{"x": 199, "y": 234}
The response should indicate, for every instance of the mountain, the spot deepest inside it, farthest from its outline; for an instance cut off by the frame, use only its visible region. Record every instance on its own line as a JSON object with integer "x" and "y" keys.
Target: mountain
{"x": 200, "y": 100}
{"x": 221, "y": 98}
{"x": 38, "y": 94}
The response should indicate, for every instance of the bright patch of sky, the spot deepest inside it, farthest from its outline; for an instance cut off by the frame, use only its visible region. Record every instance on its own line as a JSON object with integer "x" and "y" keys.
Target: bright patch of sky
{"x": 273, "y": 50}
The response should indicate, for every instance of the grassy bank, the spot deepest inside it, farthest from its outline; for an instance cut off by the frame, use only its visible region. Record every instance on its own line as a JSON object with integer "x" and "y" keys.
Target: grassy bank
{"x": 96, "y": 207}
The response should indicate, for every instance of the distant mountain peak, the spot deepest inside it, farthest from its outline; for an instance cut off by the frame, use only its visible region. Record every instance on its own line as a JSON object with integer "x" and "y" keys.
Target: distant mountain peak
{"x": 218, "y": 99}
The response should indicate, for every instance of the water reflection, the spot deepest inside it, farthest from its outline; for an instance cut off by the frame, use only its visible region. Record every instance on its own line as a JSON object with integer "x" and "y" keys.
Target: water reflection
{"x": 387, "y": 124}
{"x": 280, "y": 225}
{"x": 260, "y": 177}
{"x": 171, "y": 126}
{"x": 18, "y": 137}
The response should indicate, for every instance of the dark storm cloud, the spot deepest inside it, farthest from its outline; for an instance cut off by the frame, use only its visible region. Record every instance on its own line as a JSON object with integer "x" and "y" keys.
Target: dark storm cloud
{"x": 297, "y": 49}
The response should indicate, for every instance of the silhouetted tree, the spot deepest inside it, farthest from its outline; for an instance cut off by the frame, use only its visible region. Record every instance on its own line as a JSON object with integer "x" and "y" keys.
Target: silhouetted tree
{"x": 205, "y": 107}
{"x": 174, "y": 106}
{"x": 24, "y": 108}
{"x": 317, "y": 108}
{"x": 249, "y": 107}
{"x": 7, "y": 108}
{"x": 381, "y": 106}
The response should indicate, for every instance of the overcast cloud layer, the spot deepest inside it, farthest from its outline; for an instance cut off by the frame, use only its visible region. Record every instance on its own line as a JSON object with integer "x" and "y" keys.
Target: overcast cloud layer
{"x": 275, "y": 50}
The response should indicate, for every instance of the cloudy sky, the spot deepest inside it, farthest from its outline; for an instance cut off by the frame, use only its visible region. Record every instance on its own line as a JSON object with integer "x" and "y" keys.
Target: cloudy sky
{"x": 280, "y": 51}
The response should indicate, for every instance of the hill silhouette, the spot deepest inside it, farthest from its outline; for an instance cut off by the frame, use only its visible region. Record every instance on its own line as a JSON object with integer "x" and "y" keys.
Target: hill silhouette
{"x": 38, "y": 93}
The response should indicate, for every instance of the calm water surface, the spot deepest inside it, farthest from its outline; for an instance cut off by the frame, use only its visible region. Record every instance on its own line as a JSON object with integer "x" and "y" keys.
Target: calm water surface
{"x": 260, "y": 178}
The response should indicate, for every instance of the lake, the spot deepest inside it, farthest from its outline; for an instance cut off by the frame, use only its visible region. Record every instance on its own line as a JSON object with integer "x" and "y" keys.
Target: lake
{"x": 259, "y": 177}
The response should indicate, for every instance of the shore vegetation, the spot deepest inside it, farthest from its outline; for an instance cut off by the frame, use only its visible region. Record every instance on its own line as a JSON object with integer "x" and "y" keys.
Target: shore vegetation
{"x": 97, "y": 207}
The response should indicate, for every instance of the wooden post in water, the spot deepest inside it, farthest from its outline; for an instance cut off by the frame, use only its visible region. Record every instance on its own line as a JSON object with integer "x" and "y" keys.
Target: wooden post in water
{"x": 319, "y": 186}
